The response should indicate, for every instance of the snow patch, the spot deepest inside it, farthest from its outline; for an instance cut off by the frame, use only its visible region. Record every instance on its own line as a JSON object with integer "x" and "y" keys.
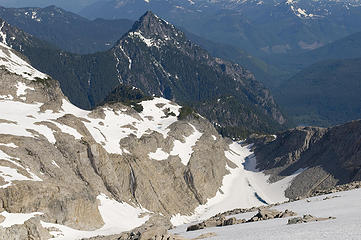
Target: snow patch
{"x": 12, "y": 219}
{"x": 159, "y": 155}
{"x": 55, "y": 164}
{"x": 15, "y": 64}
{"x": 15, "y": 112}
{"x": 152, "y": 119}
{"x": 184, "y": 149}
{"x": 4, "y": 156}
{"x": 6, "y": 97}
{"x": 11, "y": 145}
{"x": 21, "y": 89}
{"x": 120, "y": 80}
{"x": 118, "y": 217}
{"x": 129, "y": 60}
{"x": 149, "y": 42}
{"x": 2, "y": 34}
{"x": 10, "y": 175}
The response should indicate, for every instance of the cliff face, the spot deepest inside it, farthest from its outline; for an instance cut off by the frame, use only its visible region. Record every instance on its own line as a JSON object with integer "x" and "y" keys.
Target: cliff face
{"x": 63, "y": 166}
{"x": 328, "y": 157}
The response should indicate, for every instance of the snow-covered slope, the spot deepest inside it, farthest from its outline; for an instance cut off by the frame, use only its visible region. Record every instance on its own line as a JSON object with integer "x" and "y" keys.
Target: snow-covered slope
{"x": 345, "y": 206}
{"x": 15, "y": 64}
{"x": 243, "y": 187}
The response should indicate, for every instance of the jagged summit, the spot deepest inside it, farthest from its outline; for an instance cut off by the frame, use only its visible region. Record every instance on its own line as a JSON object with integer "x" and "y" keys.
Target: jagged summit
{"x": 150, "y": 25}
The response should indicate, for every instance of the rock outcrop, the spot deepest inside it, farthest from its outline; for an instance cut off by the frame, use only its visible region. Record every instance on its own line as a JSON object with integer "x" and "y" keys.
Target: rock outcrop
{"x": 266, "y": 214}
{"x": 324, "y": 157}
{"x": 307, "y": 218}
{"x": 220, "y": 220}
{"x": 63, "y": 166}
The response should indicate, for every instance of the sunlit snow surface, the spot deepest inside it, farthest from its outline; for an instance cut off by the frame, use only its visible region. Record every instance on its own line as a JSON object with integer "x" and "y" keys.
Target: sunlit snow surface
{"x": 119, "y": 124}
{"x": 159, "y": 155}
{"x": 15, "y": 64}
{"x": 244, "y": 187}
{"x": 25, "y": 119}
{"x": 185, "y": 149}
{"x": 12, "y": 219}
{"x": 108, "y": 132}
{"x": 118, "y": 217}
{"x": 9, "y": 174}
{"x": 346, "y": 226}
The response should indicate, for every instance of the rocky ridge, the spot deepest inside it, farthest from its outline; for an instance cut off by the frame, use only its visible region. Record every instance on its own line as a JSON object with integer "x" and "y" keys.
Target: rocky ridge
{"x": 63, "y": 170}
{"x": 327, "y": 157}
{"x": 157, "y": 58}
{"x": 67, "y": 30}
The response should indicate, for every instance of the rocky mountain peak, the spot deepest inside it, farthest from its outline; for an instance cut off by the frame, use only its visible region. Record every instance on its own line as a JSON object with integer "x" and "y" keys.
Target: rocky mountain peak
{"x": 152, "y": 26}
{"x": 158, "y": 59}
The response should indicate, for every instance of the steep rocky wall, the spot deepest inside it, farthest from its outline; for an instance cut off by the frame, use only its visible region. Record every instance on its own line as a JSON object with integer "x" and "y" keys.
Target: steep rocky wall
{"x": 67, "y": 174}
{"x": 328, "y": 157}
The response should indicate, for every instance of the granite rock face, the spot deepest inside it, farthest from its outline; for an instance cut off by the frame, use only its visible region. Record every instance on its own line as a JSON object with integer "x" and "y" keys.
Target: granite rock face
{"x": 327, "y": 157}
{"x": 60, "y": 165}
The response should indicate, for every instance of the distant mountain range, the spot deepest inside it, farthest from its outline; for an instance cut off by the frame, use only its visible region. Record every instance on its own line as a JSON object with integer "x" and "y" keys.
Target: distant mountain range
{"x": 70, "y": 5}
{"x": 157, "y": 58}
{"x": 76, "y": 34}
{"x": 281, "y": 76}
{"x": 67, "y": 30}
{"x": 347, "y": 47}
{"x": 263, "y": 28}
{"x": 324, "y": 94}
{"x": 325, "y": 84}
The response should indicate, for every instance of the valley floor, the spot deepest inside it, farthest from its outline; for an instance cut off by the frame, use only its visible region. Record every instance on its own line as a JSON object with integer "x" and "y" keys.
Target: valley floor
{"x": 345, "y": 206}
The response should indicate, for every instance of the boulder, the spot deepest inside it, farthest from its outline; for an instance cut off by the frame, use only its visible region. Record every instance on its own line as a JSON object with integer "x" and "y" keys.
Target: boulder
{"x": 265, "y": 214}
{"x": 196, "y": 227}
{"x": 307, "y": 218}
{"x": 230, "y": 221}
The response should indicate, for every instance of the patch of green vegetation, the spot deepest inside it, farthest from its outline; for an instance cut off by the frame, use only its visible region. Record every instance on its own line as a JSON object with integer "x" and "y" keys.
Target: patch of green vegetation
{"x": 128, "y": 96}
{"x": 325, "y": 94}
{"x": 168, "y": 113}
{"x": 187, "y": 112}
{"x": 137, "y": 107}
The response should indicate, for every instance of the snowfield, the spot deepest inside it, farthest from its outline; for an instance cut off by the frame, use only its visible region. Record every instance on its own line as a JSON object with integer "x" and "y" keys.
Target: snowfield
{"x": 23, "y": 116}
{"x": 346, "y": 208}
{"x": 15, "y": 64}
{"x": 118, "y": 217}
{"x": 12, "y": 219}
{"x": 244, "y": 187}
